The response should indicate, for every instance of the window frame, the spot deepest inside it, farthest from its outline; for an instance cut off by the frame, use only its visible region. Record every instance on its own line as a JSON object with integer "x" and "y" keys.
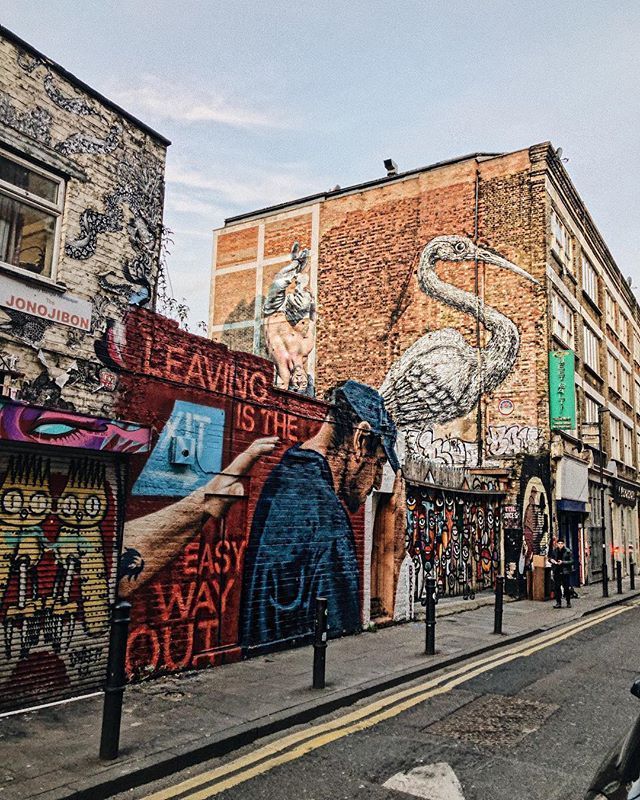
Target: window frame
{"x": 627, "y": 445}
{"x": 625, "y": 383}
{"x": 612, "y": 370}
{"x": 561, "y": 247}
{"x": 559, "y": 329}
{"x": 589, "y": 276}
{"x": 588, "y": 334}
{"x": 39, "y": 203}
{"x": 615, "y": 425}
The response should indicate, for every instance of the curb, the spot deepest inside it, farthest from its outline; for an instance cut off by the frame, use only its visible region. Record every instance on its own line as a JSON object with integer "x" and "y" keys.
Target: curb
{"x": 243, "y": 735}
{"x": 248, "y": 733}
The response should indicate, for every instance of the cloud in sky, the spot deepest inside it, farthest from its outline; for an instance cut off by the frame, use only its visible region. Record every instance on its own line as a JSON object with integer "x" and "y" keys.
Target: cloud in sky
{"x": 245, "y": 188}
{"x": 153, "y": 96}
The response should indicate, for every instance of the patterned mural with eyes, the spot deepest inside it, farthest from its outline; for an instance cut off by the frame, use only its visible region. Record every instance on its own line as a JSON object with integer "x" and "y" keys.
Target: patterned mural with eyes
{"x": 59, "y": 518}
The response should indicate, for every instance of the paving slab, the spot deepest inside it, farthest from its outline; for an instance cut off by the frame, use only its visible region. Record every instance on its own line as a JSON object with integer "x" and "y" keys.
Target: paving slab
{"x": 177, "y": 721}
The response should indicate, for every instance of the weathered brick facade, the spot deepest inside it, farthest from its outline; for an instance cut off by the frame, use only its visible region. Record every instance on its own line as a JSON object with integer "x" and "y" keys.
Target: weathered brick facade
{"x": 111, "y": 173}
{"x": 458, "y": 340}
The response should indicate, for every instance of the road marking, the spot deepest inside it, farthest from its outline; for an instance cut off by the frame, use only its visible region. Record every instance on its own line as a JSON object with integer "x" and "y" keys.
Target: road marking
{"x": 266, "y": 757}
{"x": 431, "y": 782}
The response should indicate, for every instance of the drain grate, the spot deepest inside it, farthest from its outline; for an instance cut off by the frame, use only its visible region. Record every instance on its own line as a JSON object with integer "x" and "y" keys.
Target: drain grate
{"x": 494, "y": 720}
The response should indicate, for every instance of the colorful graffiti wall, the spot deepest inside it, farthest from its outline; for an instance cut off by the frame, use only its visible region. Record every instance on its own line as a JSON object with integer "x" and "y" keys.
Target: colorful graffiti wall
{"x": 454, "y": 537}
{"x": 248, "y": 506}
{"x": 58, "y": 559}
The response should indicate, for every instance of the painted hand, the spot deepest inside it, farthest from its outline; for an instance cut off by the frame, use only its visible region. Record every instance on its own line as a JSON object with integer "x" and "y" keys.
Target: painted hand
{"x": 226, "y": 488}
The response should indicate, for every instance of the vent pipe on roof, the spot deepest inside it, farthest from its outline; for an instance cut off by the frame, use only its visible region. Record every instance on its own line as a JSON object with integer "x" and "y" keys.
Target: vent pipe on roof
{"x": 391, "y": 167}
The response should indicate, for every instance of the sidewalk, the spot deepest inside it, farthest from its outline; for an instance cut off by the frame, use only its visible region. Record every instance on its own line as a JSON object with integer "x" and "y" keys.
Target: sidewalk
{"x": 171, "y": 723}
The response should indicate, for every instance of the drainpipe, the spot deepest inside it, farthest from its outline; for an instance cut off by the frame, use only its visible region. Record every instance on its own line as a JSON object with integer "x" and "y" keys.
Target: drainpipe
{"x": 479, "y": 427}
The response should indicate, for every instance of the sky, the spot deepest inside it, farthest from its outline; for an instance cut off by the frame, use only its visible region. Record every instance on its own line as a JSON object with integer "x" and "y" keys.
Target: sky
{"x": 266, "y": 101}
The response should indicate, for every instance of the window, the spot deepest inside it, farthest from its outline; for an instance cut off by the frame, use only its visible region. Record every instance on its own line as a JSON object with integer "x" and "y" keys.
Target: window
{"x": 636, "y": 347}
{"x": 615, "y": 438}
{"x": 625, "y": 383}
{"x": 638, "y": 446}
{"x": 590, "y": 410}
{"x": 610, "y": 310}
{"x": 612, "y": 371}
{"x": 623, "y": 329}
{"x": 561, "y": 240}
{"x": 591, "y": 349}
{"x": 562, "y": 320}
{"x": 627, "y": 446}
{"x": 589, "y": 279}
{"x": 637, "y": 397}
{"x": 30, "y": 208}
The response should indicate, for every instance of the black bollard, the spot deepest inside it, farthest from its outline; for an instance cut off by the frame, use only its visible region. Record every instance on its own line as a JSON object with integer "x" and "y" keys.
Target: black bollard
{"x": 114, "y": 688}
{"x": 632, "y": 575}
{"x": 497, "y": 616}
{"x": 605, "y": 579}
{"x": 320, "y": 643}
{"x": 430, "y": 618}
{"x": 619, "y": 576}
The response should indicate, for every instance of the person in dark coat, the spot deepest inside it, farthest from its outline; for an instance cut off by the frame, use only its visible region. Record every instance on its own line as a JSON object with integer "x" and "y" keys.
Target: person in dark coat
{"x": 562, "y": 564}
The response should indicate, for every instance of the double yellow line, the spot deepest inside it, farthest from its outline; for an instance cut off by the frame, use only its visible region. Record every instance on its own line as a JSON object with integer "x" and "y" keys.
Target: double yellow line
{"x": 294, "y": 745}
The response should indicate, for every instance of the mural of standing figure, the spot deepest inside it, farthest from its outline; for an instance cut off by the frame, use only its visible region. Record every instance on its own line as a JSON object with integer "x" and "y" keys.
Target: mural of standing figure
{"x": 301, "y": 544}
{"x": 289, "y": 323}
{"x": 25, "y": 503}
{"x": 441, "y": 377}
{"x": 79, "y": 548}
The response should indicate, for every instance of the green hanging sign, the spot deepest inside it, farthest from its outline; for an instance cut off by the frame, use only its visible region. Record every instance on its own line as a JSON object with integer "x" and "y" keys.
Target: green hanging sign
{"x": 562, "y": 390}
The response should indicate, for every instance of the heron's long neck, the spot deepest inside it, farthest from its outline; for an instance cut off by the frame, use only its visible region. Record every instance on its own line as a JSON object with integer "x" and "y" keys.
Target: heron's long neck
{"x": 500, "y": 354}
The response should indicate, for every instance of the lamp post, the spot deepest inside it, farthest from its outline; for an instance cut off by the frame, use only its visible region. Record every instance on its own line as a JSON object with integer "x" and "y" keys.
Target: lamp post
{"x": 605, "y": 572}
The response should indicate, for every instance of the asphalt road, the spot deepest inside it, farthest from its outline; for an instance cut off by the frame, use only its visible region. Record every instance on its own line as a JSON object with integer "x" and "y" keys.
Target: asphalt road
{"x": 532, "y": 722}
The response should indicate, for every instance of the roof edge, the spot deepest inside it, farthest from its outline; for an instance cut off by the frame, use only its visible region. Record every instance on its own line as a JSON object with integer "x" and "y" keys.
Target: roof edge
{"x": 15, "y": 39}
{"x": 358, "y": 187}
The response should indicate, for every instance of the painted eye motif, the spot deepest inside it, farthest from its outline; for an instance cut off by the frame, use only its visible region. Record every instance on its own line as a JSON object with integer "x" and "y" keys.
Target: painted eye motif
{"x": 68, "y": 505}
{"x": 53, "y": 429}
{"x": 12, "y": 501}
{"x": 460, "y": 247}
{"x": 40, "y": 503}
{"x": 93, "y": 505}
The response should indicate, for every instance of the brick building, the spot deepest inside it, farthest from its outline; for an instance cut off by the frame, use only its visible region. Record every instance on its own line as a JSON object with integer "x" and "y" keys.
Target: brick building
{"x": 453, "y": 288}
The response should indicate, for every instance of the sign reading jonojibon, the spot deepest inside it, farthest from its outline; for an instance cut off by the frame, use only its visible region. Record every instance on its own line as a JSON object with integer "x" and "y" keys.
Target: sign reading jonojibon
{"x": 562, "y": 390}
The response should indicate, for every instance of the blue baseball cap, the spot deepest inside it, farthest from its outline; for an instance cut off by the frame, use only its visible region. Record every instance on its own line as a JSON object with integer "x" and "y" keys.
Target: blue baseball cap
{"x": 369, "y": 406}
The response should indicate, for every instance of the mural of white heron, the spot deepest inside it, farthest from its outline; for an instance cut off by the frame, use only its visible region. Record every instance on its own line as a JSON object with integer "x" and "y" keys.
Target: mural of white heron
{"x": 441, "y": 376}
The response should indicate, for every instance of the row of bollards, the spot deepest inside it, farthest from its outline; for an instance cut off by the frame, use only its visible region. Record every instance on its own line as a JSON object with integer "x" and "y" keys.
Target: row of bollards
{"x": 116, "y": 677}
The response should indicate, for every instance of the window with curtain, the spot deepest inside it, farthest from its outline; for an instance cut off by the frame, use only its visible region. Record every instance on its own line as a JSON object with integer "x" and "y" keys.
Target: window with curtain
{"x": 30, "y": 209}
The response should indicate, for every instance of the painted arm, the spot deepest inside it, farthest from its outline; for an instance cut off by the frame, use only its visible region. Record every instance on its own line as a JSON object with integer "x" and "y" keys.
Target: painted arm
{"x": 154, "y": 540}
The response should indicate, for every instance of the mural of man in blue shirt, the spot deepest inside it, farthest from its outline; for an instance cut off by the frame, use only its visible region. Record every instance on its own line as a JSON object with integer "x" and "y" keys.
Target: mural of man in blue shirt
{"x": 301, "y": 544}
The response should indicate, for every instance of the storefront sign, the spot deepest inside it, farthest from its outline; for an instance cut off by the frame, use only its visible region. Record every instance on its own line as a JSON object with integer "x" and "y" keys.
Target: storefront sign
{"x": 562, "y": 391}
{"x": 624, "y": 494}
{"x": 63, "y": 308}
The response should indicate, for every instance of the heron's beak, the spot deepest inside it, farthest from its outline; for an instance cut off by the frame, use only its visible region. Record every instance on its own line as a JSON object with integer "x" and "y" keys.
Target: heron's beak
{"x": 489, "y": 256}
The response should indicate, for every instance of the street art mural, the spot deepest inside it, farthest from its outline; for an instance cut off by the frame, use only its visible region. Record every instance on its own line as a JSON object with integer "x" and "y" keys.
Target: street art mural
{"x": 58, "y": 553}
{"x": 441, "y": 377}
{"x": 301, "y": 544}
{"x": 454, "y": 538}
{"x": 31, "y": 425}
{"x": 529, "y": 527}
{"x": 226, "y": 552}
{"x": 289, "y": 319}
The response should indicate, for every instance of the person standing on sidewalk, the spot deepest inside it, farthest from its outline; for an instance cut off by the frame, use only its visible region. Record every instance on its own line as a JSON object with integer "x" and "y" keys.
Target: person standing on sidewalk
{"x": 562, "y": 565}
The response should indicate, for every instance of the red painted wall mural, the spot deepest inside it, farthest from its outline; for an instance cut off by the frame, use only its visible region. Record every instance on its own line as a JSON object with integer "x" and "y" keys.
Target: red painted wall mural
{"x": 245, "y": 492}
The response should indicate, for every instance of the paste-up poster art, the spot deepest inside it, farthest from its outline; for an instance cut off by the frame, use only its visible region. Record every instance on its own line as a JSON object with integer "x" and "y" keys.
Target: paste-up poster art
{"x": 58, "y": 559}
{"x": 289, "y": 321}
{"x": 535, "y": 510}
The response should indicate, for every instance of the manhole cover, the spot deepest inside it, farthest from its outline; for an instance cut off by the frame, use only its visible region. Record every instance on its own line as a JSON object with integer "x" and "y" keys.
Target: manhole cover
{"x": 494, "y": 720}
